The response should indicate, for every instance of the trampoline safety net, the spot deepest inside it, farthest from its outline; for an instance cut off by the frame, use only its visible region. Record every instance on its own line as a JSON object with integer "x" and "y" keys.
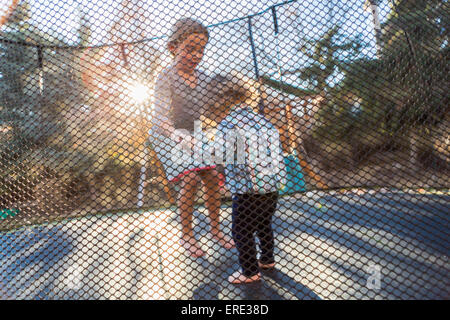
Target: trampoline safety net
{"x": 224, "y": 150}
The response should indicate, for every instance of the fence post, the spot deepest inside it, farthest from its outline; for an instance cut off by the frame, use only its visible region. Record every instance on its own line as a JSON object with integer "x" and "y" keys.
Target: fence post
{"x": 255, "y": 63}
{"x": 277, "y": 44}
{"x": 252, "y": 43}
{"x": 41, "y": 69}
{"x": 372, "y": 6}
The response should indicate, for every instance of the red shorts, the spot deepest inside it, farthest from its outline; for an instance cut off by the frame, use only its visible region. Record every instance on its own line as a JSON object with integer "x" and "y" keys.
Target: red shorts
{"x": 178, "y": 177}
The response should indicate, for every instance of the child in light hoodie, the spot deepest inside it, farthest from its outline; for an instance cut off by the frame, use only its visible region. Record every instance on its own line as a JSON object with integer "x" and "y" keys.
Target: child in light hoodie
{"x": 252, "y": 174}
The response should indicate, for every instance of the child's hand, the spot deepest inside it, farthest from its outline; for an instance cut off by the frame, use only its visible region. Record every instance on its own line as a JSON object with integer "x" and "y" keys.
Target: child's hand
{"x": 191, "y": 142}
{"x": 322, "y": 186}
{"x": 179, "y": 135}
{"x": 184, "y": 138}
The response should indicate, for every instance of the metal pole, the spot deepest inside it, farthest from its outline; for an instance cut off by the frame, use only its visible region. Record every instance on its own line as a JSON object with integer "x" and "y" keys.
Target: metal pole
{"x": 255, "y": 62}
{"x": 41, "y": 69}
{"x": 142, "y": 177}
{"x": 372, "y": 6}
{"x": 252, "y": 43}
{"x": 288, "y": 109}
{"x": 277, "y": 44}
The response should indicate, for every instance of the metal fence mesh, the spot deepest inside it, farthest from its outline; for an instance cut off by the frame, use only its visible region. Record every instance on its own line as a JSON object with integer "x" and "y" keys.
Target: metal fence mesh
{"x": 95, "y": 202}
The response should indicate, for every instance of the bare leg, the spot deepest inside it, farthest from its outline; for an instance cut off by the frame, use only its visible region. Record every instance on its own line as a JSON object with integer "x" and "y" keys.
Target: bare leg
{"x": 212, "y": 200}
{"x": 188, "y": 190}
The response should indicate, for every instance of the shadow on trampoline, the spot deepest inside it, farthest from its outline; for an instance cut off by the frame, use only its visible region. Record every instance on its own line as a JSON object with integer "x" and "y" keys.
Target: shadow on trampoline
{"x": 422, "y": 219}
{"x": 405, "y": 237}
{"x": 321, "y": 253}
{"x": 275, "y": 285}
{"x": 31, "y": 262}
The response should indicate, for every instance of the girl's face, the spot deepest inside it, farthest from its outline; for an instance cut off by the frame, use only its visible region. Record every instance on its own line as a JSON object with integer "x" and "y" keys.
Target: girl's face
{"x": 189, "y": 53}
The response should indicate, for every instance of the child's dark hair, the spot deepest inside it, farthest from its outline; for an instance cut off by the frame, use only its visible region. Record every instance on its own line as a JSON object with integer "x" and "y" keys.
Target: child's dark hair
{"x": 182, "y": 29}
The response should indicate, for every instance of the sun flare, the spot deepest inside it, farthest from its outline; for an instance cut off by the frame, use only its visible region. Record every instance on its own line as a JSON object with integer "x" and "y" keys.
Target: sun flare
{"x": 139, "y": 92}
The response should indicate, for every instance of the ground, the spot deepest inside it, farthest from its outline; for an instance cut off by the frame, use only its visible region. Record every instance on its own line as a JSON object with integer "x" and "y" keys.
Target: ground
{"x": 327, "y": 247}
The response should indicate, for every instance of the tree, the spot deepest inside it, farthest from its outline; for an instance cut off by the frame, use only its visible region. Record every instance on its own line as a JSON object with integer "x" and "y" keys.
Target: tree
{"x": 17, "y": 100}
{"x": 328, "y": 55}
{"x": 416, "y": 46}
{"x": 403, "y": 91}
{"x": 17, "y": 104}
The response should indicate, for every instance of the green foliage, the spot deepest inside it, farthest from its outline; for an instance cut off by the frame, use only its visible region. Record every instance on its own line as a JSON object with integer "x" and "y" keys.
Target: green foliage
{"x": 327, "y": 55}
{"x": 286, "y": 88}
{"x": 32, "y": 96}
{"x": 53, "y": 128}
{"x": 416, "y": 47}
{"x": 21, "y": 15}
{"x": 402, "y": 90}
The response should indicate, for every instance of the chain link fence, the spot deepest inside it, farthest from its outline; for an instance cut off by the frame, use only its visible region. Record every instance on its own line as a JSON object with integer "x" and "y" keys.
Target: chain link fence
{"x": 321, "y": 131}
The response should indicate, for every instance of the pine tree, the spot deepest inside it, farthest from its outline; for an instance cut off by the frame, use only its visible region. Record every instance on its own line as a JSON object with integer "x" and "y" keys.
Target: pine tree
{"x": 403, "y": 91}
{"x": 325, "y": 55}
{"x": 16, "y": 104}
{"x": 36, "y": 85}
{"x": 416, "y": 46}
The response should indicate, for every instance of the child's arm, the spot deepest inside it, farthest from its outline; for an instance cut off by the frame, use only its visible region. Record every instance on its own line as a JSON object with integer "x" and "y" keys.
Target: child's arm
{"x": 303, "y": 163}
{"x": 311, "y": 173}
{"x": 224, "y": 128}
{"x": 225, "y": 124}
{"x": 221, "y": 131}
{"x": 160, "y": 120}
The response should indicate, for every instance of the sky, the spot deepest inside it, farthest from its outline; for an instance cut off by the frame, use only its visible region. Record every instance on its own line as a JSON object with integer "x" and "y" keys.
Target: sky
{"x": 229, "y": 46}
{"x": 157, "y": 15}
